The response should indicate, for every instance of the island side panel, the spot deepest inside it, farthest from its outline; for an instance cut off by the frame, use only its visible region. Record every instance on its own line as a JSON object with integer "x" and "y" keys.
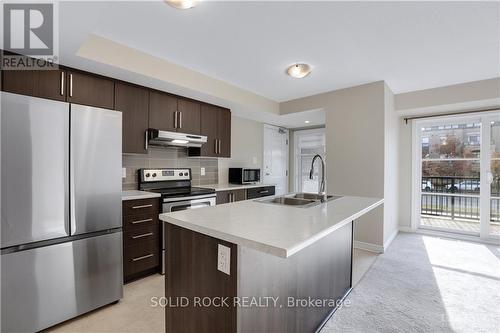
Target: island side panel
{"x": 323, "y": 270}
{"x": 191, "y": 271}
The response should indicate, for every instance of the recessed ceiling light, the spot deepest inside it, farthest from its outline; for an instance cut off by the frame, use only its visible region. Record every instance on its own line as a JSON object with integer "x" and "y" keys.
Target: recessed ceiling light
{"x": 307, "y": 121}
{"x": 299, "y": 70}
{"x": 182, "y": 4}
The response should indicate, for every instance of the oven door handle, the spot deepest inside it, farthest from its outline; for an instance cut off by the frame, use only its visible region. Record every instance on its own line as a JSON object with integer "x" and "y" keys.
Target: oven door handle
{"x": 189, "y": 204}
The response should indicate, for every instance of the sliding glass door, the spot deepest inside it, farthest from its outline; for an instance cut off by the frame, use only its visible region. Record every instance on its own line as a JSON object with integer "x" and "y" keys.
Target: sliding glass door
{"x": 457, "y": 178}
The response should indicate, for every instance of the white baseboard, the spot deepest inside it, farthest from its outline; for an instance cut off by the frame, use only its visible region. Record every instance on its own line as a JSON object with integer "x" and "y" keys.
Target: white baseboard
{"x": 390, "y": 239}
{"x": 405, "y": 229}
{"x": 368, "y": 247}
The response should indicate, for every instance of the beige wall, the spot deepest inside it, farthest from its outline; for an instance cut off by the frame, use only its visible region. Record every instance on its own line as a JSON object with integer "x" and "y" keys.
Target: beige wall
{"x": 246, "y": 146}
{"x": 465, "y": 96}
{"x": 355, "y": 151}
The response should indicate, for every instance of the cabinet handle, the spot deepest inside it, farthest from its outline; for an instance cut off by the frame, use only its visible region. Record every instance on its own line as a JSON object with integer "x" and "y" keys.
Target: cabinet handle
{"x": 146, "y": 140}
{"x": 180, "y": 119}
{"x": 215, "y": 141}
{"x": 142, "y": 221}
{"x": 71, "y": 85}
{"x": 143, "y": 257}
{"x": 263, "y": 191}
{"x": 219, "y": 147}
{"x": 142, "y": 206}
{"x": 62, "y": 83}
{"x": 175, "y": 119}
{"x": 143, "y": 235}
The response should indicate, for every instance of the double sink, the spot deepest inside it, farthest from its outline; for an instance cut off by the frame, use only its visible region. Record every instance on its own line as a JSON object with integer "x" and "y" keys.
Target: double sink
{"x": 302, "y": 200}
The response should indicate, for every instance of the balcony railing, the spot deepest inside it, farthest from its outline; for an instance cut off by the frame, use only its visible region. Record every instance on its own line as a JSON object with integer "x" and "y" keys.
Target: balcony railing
{"x": 457, "y": 197}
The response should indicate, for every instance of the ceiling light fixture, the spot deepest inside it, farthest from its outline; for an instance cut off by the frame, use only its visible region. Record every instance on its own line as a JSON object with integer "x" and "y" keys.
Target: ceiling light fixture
{"x": 299, "y": 70}
{"x": 182, "y": 4}
{"x": 307, "y": 121}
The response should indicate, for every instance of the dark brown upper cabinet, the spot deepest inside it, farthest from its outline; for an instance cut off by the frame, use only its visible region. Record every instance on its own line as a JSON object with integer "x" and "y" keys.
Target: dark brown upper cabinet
{"x": 49, "y": 84}
{"x": 88, "y": 89}
{"x": 18, "y": 82}
{"x": 215, "y": 124}
{"x": 188, "y": 116}
{"x": 208, "y": 124}
{"x": 224, "y": 133}
{"x": 133, "y": 102}
{"x": 171, "y": 113}
{"x": 162, "y": 111}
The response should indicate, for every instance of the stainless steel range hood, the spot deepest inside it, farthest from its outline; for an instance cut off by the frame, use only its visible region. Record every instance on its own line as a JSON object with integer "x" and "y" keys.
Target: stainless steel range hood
{"x": 165, "y": 138}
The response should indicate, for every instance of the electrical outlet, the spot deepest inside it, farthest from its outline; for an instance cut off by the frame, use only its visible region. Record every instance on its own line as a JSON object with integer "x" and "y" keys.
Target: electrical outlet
{"x": 202, "y": 171}
{"x": 224, "y": 259}
{"x": 124, "y": 172}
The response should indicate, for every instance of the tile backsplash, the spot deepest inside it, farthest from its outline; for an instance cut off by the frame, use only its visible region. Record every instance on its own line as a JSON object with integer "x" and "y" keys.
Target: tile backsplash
{"x": 169, "y": 158}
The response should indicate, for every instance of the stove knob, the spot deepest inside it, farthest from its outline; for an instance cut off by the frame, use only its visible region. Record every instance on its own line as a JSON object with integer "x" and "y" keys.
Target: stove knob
{"x": 180, "y": 174}
{"x": 186, "y": 173}
{"x": 147, "y": 175}
{"x": 154, "y": 174}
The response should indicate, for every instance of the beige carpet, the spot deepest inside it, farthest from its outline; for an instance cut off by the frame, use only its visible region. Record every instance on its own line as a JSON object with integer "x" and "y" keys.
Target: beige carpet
{"x": 426, "y": 284}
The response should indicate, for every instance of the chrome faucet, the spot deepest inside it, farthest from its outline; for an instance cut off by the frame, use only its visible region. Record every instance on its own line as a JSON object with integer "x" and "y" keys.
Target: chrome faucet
{"x": 321, "y": 190}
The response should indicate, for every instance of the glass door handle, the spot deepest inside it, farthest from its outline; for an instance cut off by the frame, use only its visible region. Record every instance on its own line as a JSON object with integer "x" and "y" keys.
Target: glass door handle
{"x": 490, "y": 178}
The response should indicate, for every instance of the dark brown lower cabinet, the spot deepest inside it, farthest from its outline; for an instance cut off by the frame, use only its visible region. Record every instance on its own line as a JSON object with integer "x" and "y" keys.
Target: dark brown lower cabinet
{"x": 191, "y": 272}
{"x": 230, "y": 196}
{"x": 321, "y": 272}
{"x": 141, "y": 238}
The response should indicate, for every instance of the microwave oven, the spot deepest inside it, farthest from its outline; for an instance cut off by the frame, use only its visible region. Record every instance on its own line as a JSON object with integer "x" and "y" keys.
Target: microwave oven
{"x": 244, "y": 176}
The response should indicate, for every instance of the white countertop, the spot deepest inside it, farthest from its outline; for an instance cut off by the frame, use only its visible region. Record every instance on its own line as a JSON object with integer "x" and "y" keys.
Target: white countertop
{"x": 134, "y": 195}
{"x": 228, "y": 187}
{"x": 276, "y": 229}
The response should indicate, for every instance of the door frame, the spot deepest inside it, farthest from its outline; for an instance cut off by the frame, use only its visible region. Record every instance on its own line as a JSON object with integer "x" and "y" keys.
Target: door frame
{"x": 485, "y": 163}
{"x": 296, "y": 135}
{"x": 287, "y": 184}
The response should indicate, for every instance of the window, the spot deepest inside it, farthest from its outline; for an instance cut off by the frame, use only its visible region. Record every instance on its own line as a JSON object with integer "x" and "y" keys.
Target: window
{"x": 308, "y": 143}
{"x": 456, "y": 174}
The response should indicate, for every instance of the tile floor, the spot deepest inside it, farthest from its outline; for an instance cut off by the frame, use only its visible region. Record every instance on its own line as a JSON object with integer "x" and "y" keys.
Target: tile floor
{"x": 135, "y": 313}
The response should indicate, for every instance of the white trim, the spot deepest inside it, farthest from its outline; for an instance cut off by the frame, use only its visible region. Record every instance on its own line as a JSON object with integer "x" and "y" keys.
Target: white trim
{"x": 450, "y": 235}
{"x": 287, "y": 183}
{"x": 390, "y": 239}
{"x": 296, "y": 172}
{"x": 405, "y": 229}
{"x": 368, "y": 247}
{"x": 416, "y": 183}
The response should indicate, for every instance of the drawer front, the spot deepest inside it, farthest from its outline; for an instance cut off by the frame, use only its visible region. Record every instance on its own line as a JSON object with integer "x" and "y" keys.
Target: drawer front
{"x": 133, "y": 222}
{"x": 139, "y": 207}
{"x": 258, "y": 192}
{"x": 141, "y": 235}
{"x": 141, "y": 257}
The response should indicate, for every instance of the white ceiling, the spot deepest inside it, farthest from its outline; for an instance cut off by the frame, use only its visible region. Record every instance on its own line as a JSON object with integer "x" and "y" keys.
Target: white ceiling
{"x": 411, "y": 45}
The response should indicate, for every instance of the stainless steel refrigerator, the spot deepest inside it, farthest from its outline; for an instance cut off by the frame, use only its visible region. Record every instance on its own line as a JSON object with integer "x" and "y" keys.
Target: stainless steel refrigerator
{"x": 61, "y": 237}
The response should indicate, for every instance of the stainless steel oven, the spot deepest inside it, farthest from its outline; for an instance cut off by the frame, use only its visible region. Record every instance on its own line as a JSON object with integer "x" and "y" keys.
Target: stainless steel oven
{"x": 176, "y": 204}
{"x": 182, "y": 203}
{"x": 176, "y": 194}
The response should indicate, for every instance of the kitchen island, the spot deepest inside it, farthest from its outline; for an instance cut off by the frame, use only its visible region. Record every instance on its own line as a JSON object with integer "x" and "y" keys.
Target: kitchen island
{"x": 289, "y": 267}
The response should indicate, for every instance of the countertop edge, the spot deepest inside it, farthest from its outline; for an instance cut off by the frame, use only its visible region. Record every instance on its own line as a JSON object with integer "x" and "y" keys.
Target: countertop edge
{"x": 228, "y": 187}
{"x": 279, "y": 252}
{"x": 138, "y": 196}
{"x": 328, "y": 231}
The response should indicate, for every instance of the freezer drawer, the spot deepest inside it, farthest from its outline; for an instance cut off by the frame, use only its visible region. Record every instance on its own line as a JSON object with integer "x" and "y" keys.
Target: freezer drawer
{"x": 35, "y": 160}
{"x": 95, "y": 169}
{"x": 45, "y": 286}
